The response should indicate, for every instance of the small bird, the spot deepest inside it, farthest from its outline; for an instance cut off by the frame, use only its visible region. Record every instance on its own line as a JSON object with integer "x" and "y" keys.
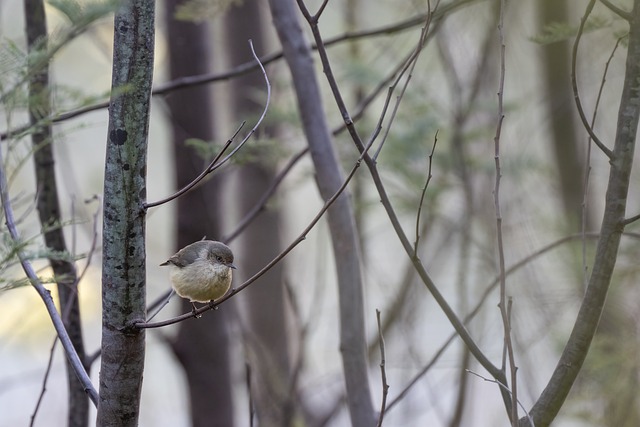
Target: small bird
{"x": 201, "y": 271}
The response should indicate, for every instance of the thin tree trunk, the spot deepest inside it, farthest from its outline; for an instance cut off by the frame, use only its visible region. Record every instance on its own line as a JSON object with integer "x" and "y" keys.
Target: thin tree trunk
{"x": 341, "y": 222}
{"x": 49, "y": 208}
{"x": 560, "y": 111}
{"x": 201, "y": 346}
{"x": 123, "y": 263}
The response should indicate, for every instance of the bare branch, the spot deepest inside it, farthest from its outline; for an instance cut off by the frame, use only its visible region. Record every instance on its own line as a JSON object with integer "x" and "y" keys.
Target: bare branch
{"x": 628, "y": 221}
{"x": 505, "y": 388}
{"x": 506, "y": 321}
{"x": 409, "y": 66}
{"x": 424, "y": 192}
{"x": 383, "y": 372}
{"x": 43, "y": 389}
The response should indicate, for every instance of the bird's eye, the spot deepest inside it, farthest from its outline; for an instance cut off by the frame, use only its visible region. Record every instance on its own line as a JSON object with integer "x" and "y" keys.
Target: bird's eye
{"x": 218, "y": 258}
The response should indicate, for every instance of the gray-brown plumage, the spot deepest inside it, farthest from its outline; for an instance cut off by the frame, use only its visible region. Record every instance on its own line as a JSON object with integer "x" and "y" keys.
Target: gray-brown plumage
{"x": 201, "y": 271}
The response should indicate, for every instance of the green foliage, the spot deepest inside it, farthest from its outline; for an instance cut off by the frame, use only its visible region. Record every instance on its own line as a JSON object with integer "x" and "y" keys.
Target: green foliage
{"x": 266, "y": 151}
{"x": 561, "y": 31}
{"x": 13, "y": 61}
{"x": 31, "y": 251}
{"x": 203, "y": 10}
{"x": 82, "y": 14}
{"x": 204, "y": 149}
{"x": 17, "y": 65}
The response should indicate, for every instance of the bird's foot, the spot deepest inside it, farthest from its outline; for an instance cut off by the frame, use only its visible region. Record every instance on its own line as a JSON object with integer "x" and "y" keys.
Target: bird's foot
{"x": 194, "y": 311}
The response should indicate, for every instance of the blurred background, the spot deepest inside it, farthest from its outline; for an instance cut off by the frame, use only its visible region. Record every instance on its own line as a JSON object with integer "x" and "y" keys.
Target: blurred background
{"x": 278, "y": 341}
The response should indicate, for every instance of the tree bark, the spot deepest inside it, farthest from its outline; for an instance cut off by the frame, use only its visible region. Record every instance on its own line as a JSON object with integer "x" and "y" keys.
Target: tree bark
{"x": 340, "y": 217}
{"x": 201, "y": 346}
{"x": 49, "y": 208}
{"x": 123, "y": 263}
{"x": 266, "y": 341}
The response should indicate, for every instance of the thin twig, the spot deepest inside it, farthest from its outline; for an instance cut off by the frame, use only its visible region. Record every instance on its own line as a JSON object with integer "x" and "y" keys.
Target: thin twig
{"x": 383, "y": 372}
{"x": 506, "y": 321}
{"x": 94, "y": 238}
{"x": 503, "y": 386}
{"x": 320, "y": 10}
{"x": 165, "y": 301}
{"x": 410, "y": 66}
{"x": 574, "y": 83}
{"x": 424, "y": 192}
{"x": 628, "y": 221}
{"x": 43, "y": 389}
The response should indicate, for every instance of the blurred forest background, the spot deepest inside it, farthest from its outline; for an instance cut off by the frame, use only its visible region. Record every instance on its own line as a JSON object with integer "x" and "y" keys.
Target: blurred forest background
{"x": 284, "y": 350}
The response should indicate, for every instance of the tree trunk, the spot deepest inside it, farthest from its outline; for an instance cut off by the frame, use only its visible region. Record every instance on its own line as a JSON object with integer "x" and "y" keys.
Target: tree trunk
{"x": 49, "y": 207}
{"x": 266, "y": 340}
{"x": 560, "y": 113}
{"x": 340, "y": 217}
{"x": 201, "y": 346}
{"x": 123, "y": 263}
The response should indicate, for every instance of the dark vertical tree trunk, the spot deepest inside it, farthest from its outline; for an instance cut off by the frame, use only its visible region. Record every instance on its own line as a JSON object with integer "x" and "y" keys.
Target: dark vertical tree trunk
{"x": 124, "y": 257}
{"x": 266, "y": 341}
{"x": 49, "y": 207}
{"x": 561, "y": 113}
{"x": 201, "y": 346}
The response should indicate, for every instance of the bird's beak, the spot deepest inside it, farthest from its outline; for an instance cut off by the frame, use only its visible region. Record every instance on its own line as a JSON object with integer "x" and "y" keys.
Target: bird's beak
{"x": 232, "y": 266}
